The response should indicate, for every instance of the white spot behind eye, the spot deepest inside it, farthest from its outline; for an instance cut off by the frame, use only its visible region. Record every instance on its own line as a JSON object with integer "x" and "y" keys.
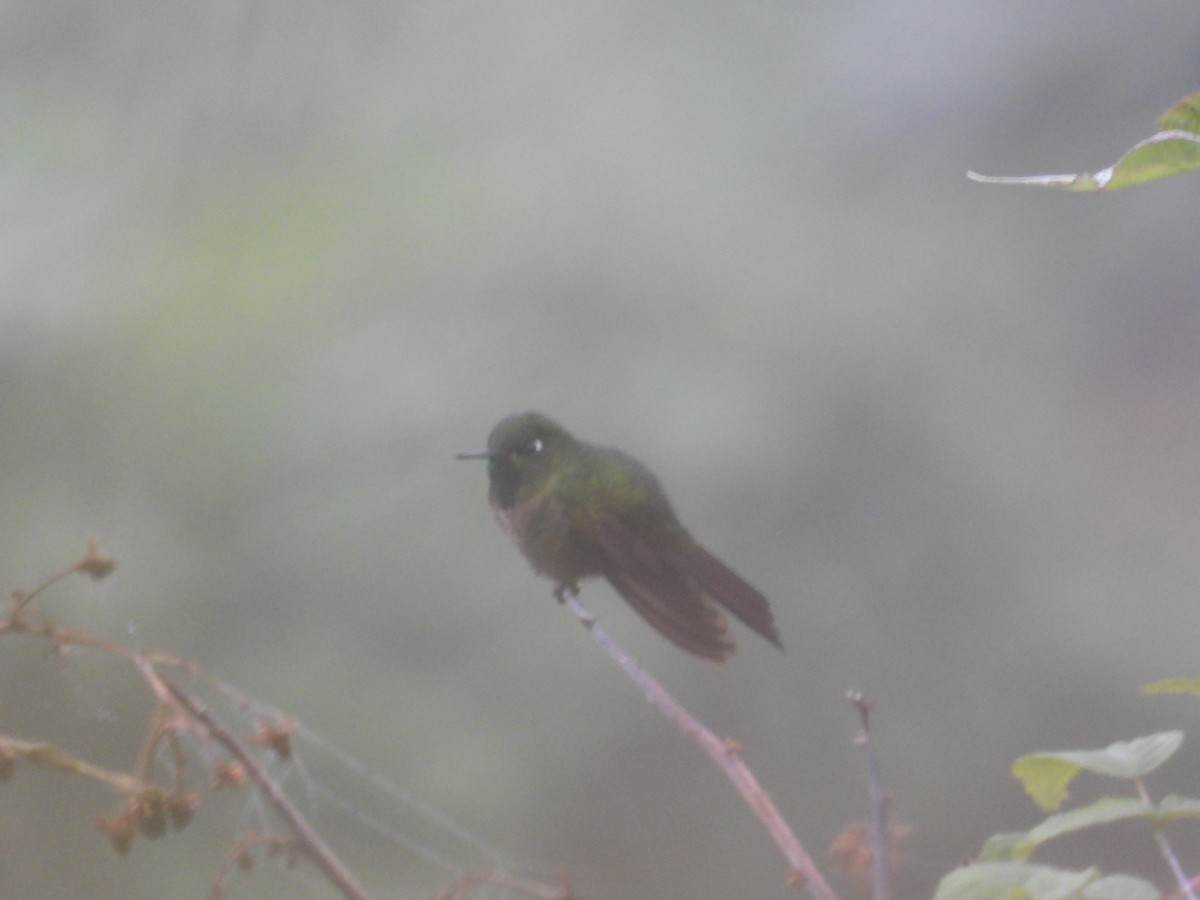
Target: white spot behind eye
{"x": 533, "y": 448}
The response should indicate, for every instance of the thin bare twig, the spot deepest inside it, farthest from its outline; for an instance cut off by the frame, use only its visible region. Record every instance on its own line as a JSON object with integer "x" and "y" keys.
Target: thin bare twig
{"x": 171, "y": 697}
{"x": 94, "y": 564}
{"x": 726, "y": 754}
{"x": 148, "y": 806}
{"x": 48, "y": 756}
{"x": 310, "y": 842}
{"x": 881, "y": 888}
{"x": 1167, "y": 851}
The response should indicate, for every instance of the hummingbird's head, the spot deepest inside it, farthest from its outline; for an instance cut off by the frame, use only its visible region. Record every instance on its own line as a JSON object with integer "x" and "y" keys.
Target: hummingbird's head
{"x": 523, "y": 450}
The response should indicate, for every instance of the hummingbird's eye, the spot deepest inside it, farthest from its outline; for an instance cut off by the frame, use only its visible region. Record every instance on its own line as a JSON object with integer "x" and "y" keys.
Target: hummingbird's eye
{"x": 533, "y": 448}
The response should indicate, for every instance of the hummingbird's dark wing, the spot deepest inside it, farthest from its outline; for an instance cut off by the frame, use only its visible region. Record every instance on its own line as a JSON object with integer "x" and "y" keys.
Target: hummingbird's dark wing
{"x": 728, "y": 588}
{"x": 663, "y": 595}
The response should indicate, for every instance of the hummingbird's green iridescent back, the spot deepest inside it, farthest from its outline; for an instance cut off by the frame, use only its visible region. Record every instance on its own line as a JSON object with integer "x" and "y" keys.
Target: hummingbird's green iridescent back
{"x": 577, "y": 510}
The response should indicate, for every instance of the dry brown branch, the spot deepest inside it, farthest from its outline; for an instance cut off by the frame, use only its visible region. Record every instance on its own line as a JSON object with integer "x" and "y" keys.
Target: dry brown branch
{"x": 152, "y": 802}
{"x": 307, "y": 838}
{"x": 881, "y": 888}
{"x": 727, "y": 754}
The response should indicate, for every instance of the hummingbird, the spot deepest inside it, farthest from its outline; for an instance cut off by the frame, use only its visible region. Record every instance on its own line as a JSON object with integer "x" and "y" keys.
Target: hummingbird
{"x": 578, "y": 510}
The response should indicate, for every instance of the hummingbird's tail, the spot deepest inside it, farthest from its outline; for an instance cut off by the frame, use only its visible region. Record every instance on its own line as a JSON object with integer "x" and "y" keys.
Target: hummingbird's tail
{"x": 670, "y": 587}
{"x": 729, "y": 589}
{"x": 677, "y": 610}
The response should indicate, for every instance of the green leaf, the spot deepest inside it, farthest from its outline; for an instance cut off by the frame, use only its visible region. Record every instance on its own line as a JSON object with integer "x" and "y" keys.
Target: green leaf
{"x": 1132, "y": 759}
{"x": 1106, "y": 809}
{"x": 1173, "y": 150}
{"x": 1121, "y": 887}
{"x": 1173, "y": 807}
{"x": 1174, "y": 686}
{"x": 999, "y": 847}
{"x": 1184, "y": 115}
{"x": 1046, "y": 776}
{"x": 1162, "y": 154}
{"x": 1057, "y": 884}
{"x": 1166, "y": 153}
{"x": 1012, "y": 881}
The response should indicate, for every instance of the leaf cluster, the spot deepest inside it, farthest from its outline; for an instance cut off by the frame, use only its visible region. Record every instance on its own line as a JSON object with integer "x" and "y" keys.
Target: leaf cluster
{"x": 1172, "y": 150}
{"x": 1003, "y": 870}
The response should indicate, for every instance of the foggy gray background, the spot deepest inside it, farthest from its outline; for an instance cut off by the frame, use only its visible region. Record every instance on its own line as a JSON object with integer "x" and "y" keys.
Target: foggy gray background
{"x": 265, "y": 267}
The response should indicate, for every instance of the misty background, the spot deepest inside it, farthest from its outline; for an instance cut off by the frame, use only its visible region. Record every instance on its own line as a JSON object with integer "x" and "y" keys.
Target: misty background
{"x": 266, "y": 267}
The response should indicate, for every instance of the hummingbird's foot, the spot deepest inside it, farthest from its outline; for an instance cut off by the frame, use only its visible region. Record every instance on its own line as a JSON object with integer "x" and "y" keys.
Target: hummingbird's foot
{"x": 560, "y": 592}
